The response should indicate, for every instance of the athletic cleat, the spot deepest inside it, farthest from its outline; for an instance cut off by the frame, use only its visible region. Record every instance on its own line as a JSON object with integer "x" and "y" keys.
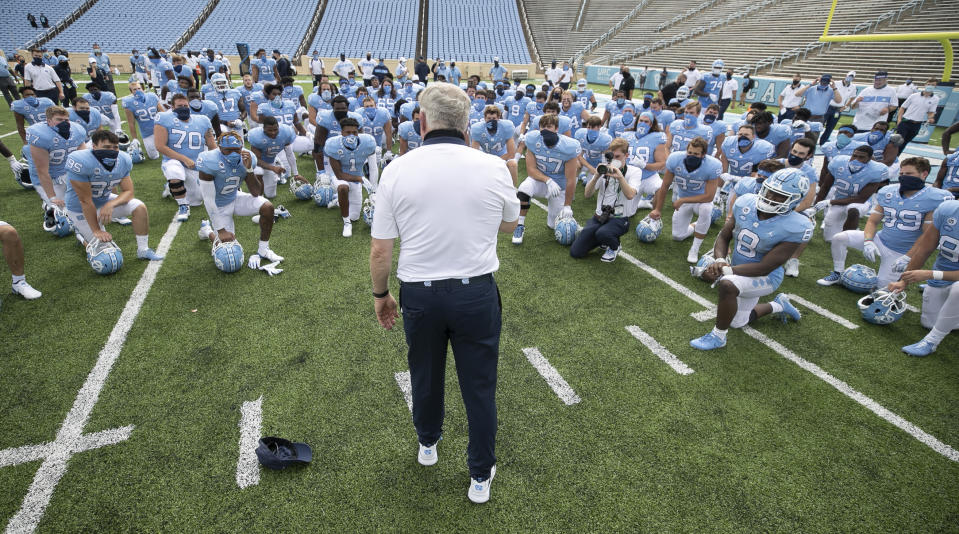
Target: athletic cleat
{"x": 610, "y": 255}
{"x": 25, "y": 290}
{"x": 335, "y": 203}
{"x": 347, "y": 229}
{"x": 792, "y": 267}
{"x": 148, "y": 254}
{"x": 256, "y": 219}
{"x": 183, "y": 212}
{"x": 518, "y": 234}
{"x": 270, "y": 255}
{"x": 708, "y": 342}
{"x": 644, "y": 204}
{"x": 427, "y": 454}
{"x": 692, "y": 256}
{"x": 789, "y": 311}
{"x": 830, "y": 280}
{"x": 205, "y": 230}
{"x": 479, "y": 489}
{"x": 122, "y": 221}
{"x": 281, "y": 213}
{"x": 920, "y": 349}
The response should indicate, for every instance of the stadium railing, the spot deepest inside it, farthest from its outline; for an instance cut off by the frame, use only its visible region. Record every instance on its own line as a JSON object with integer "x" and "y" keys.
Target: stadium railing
{"x": 59, "y": 26}
{"x": 577, "y": 58}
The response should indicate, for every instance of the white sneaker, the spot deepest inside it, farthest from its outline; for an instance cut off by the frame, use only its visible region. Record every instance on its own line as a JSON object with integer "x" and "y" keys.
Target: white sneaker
{"x": 122, "y": 221}
{"x": 693, "y": 256}
{"x": 644, "y": 205}
{"x": 347, "y": 229}
{"x": 427, "y": 455}
{"x": 270, "y": 255}
{"x": 205, "y": 230}
{"x": 256, "y": 219}
{"x": 335, "y": 203}
{"x": 166, "y": 191}
{"x": 792, "y": 267}
{"x": 610, "y": 255}
{"x": 24, "y": 289}
{"x": 479, "y": 491}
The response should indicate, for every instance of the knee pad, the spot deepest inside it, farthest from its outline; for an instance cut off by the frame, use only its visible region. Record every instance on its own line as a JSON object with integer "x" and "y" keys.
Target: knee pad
{"x": 523, "y": 198}
{"x": 177, "y": 188}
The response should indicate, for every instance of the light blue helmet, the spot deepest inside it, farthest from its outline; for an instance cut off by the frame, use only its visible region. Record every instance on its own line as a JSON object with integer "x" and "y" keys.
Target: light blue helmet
{"x": 57, "y": 223}
{"x": 565, "y": 231}
{"x": 23, "y": 177}
{"x": 301, "y": 190}
{"x": 368, "y": 207}
{"x": 790, "y": 184}
{"x": 883, "y": 306}
{"x": 228, "y": 256}
{"x": 136, "y": 155}
{"x": 859, "y": 278}
{"x": 718, "y": 66}
{"x": 104, "y": 258}
{"x": 717, "y": 214}
{"x": 323, "y": 193}
{"x": 219, "y": 82}
{"x": 648, "y": 230}
{"x": 704, "y": 262}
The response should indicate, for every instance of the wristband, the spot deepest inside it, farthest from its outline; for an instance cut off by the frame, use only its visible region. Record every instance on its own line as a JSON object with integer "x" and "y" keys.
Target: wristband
{"x": 937, "y": 275}
{"x": 381, "y": 295}
{"x": 727, "y": 270}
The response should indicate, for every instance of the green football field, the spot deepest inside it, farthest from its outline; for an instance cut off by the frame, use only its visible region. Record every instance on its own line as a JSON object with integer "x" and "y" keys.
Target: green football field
{"x": 817, "y": 426}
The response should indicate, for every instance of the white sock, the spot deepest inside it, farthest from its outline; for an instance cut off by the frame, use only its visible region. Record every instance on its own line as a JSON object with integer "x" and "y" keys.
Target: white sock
{"x": 522, "y": 219}
{"x": 181, "y": 201}
{"x": 17, "y": 279}
{"x": 935, "y": 336}
{"x": 142, "y": 242}
{"x": 777, "y": 307}
{"x": 346, "y": 220}
{"x": 263, "y": 247}
{"x": 721, "y": 334}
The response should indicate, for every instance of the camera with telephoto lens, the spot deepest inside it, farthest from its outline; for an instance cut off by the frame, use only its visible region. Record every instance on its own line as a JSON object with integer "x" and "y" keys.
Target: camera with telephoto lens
{"x": 607, "y": 211}
{"x": 603, "y": 168}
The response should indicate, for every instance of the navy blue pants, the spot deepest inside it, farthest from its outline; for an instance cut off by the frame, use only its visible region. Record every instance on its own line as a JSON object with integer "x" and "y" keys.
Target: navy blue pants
{"x": 908, "y": 130}
{"x": 830, "y": 119}
{"x": 596, "y": 233}
{"x": 469, "y": 317}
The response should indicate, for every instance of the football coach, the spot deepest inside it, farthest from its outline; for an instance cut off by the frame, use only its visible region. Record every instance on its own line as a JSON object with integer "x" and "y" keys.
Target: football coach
{"x": 446, "y": 202}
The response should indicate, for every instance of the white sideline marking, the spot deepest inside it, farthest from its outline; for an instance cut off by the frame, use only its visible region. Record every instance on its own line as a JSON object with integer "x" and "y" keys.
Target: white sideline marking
{"x": 403, "y": 381}
{"x": 703, "y": 316}
{"x": 70, "y": 436}
{"x": 29, "y": 453}
{"x": 8, "y": 134}
{"x": 912, "y": 308}
{"x": 659, "y": 350}
{"x": 841, "y": 386}
{"x": 823, "y": 311}
{"x": 251, "y": 423}
{"x": 552, "y": 376}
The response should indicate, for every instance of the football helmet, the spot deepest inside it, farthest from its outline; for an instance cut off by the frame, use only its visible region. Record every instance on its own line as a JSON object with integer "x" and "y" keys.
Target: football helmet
{"x": 859, "y": 278}
{"x": 228, "y": 256}
{"x": 883, "y": 306}
{"x": 104, "y": 258}
{"x": 705, "y": 261}
{"x": 219, "y": 82}
{"x": 718, "y": 66}
{"x": 791, "y": 184}
{"x": 368, "y": 206}
{"x": 301, "y": 190}
{"x": 124, "y": 142}
{"x": 56, "y": 222}
{"x": 682, "y": 93}
{"x": 136, "y": 153}
{"x": 323, "y": 192}
{"x": 717, "y": 213}
{"x": 648, "y": 229}
{"x": 23, "y": 177}
{"x": 565, "y": 231}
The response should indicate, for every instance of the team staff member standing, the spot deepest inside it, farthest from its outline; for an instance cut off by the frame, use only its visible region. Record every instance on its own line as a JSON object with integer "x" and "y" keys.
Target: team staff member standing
{"x": 446, "y": 202}
{"x": 42, "y": 78}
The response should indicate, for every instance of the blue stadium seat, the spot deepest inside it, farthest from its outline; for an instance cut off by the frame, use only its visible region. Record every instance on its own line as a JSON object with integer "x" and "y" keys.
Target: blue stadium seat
{"x": 454, "y": 33}
{"x": 232, "y": 21}
{"x": 386, "y": 28}
{"x": 15, "y": 29}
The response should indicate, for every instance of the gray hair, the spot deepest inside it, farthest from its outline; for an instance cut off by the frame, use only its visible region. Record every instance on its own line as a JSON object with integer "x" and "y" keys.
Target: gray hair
{"x": 446, "y": 107}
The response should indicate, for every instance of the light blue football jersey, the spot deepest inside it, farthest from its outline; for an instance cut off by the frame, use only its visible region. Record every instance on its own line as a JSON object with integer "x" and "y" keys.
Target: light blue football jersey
{"x": 408, "y": 133}
{"x": 268, "y": 146}
{"x": 283, "y": 114}
{"x": 173, "y": 88}
{"x": 951, "y": 179}
{"x": 777, "y": 134}
{"x": 664, "y": 117}
{"x": 327, "y": 120}
{"x": 316, "y": 102}
{"x": 248, "y": 93}
{"x": 593, "y": 151}
{"x": 831, "y": 149}
{"x": 744, "y": 163}
{"x": 682, "y": 135}
{"x": 91, "y": 125}
{"x": 534, "y": 109}
{"x": 714, "y": 84}
{"x": 574, "y": 113}
{"x": 406, "y": 111}
{"x": 946, "y": 220}
{"x": 756, "y": 237}
{"x": 515, "y": 109}
{"x": 42, "y": 136}
{"x": 104, "y": 104}
{"x": 351, "y": 161}
{"x": 374, "y": 122}
{"x": 186, "y": 138}
{"x": 292, "y": 94}
{"x": 565, "y": 125}
{"x": 644, "y": 147}
{"x": 878, "y": 145}
{"x": 902, "y": 217}
{"x": 227, "y": 104}
{"x": 386, "y": 102}
{"x": 719, "y": 129}
{"x": 619, "y": 124}
{"x": 848, "y": 184}
{"x": 211, "y": 67}
{"x": 32, "y": 114}
{"x": 207, "y": 109}
{"x": 584, "y": 97}
{"x": 690, "y": 184}
{"x": 748, "y": 185}
{"x": 807, "y": 170}
{"x": 144, "y": 110}
{"x": 552, "y": 161}
{"x": 265, "y": 69}
{"x": 226, "y": 177}
{"x": 83, "y": 166}
{"x": 492, "y": 143}
{"x": 615, "y": 108}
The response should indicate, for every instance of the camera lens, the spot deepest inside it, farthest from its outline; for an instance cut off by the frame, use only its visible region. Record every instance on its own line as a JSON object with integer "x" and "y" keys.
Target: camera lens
{"x": 602, "y": 168}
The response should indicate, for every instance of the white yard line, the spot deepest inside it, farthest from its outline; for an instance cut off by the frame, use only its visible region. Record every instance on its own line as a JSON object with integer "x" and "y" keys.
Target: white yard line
{"x": 70, "y": 435}
{"x": 552, "y": 376}
{"x": 403, "y": 381}
{"x": 660, "y": 351}
{"x": 823, "y": 311}
{"x": 251, "y": 424}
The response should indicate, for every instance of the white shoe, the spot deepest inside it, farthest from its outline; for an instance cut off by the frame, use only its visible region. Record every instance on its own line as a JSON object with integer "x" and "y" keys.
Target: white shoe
{"x": 256, "y": 219}
{"x": 335, "y": 203}
{"x": 693, "y": 256}
{"x": 122, "y": 221}
{"x": 166, "y": 191}
{"x": 270, "y": 255}
{"x": 427, "y": 455}
{"x": 644, "y": 205}
{"x": 348, "y": 229}
{"x": 479, "y": 491}
{"x": 24, "y": 289}
{"x": 205, "y": 230}
{"x": 792, "y": 267}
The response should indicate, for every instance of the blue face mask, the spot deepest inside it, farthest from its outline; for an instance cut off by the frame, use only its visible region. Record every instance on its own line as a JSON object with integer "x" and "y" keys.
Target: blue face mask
{"x": 139, "y": 95}
{"x": 794, "y": 161}
{"x": 326, "y": 95}
{"x": 416, "y": 126}
{"x": 107, "y": 158}
{"x": 592, "y": 136}
{"x": 744, "y": 142}
{"x": 692, "y": 163}
{"x": 350, "y": 142}
{"x": 234, "y": 158}
{"x": 874, "y": 137}
{"x": 84, "y": 114}
{"x": 63, "y": 129}
{"x": 709, "y": 119}
{"x": 910, "y": 183}
{"x": 642, "y": 129}
{"x": 31, "y": 101}
{"x": 929, "y": 89}
{"x": 182, "y": 113}
{"x": 539, "y": 105}
{"x": 627, "y": 118}
{"x": 690, "y": 121}
{"x": 492, "y": 126}
{"x": 479, "y": 104}
{"x": 371, "y": 113}
{"x": 620, "y": 102}
{"x": 277, "y": 102}
{"x": 196, "y": 105}
{"x": 855, "y": 166}
{"x": 843, "y": 140}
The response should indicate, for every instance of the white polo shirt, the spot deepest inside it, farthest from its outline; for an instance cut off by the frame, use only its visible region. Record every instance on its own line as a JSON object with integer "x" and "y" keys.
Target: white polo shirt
{"x": 445, "y": 203}
{"x": 790, "y": 100}
{"x": 730, "y": 87}
{"x": 918, "y": 107}
{"x": 846, "y": 94}
{"x": 42, "y": 78}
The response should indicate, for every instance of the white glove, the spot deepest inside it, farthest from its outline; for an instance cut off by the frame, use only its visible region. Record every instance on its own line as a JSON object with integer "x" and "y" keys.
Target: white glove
{"x": 553, "y": 189}
{"x": 821, "y": 205}
{"x": 638, "y": 162}
{"x": 238, "y": 124}
{"x": 270, "y": 269}
{"x": 379, "y": 152}
{"x": 15, "y": 166}
{"x": 901, "y": 264}
{"x": 729, "y": 178}
{"x": 254, "y": 262}
{"x": 368, "y": 185}
{"x": 566, "y": 213}
{"x": 870, "y": 251}
{"x": 810, "y": 212}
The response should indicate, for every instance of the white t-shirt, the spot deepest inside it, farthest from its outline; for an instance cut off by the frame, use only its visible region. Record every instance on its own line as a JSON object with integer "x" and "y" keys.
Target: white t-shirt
{"x": 42, "y": 78}
{"x": 730, "y": 87}
{"x": 693, "y": 77}
{"x": 343, "y": 68}
{"x": 553, "y": 75}
{"x": 366, "y": 67}
{"x": 790, "y": 100}
{"x": 870, "y": 109}
{"x": 317, "y": 66}
{"x": 445, "y": 203}
{"x": 566, "y": 76}
{"x": 903, "y": 91}
{"x": 609, "y": 193}
{"x": 918, "y": 107}
{"x": 616, "y": 79}
{"x": 846, "y": 94}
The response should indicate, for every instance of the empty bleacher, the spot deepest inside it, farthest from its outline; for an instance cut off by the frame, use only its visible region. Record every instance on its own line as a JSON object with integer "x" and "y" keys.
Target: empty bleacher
{"x": 232, "y": 21}
{"x": 122, "y": 25}
{"x": 15, "y": 29}
{"x": 551, "y": 23}
{"x": 453, "y": 31}
{"x": 642, "y": 29}
{"x": 353, "y": 27}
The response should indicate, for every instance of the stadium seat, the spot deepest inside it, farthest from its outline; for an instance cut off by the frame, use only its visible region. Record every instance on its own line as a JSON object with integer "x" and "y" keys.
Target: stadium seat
{"x": 229, "y": 24}
{"x": 453, "y": 34}
{"x": 383, "y": 27}
{"x": 16, "y": 30}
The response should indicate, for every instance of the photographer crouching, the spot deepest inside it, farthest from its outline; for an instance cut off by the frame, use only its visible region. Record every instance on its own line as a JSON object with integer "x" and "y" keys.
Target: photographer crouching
{"x": 615, "y": 184}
